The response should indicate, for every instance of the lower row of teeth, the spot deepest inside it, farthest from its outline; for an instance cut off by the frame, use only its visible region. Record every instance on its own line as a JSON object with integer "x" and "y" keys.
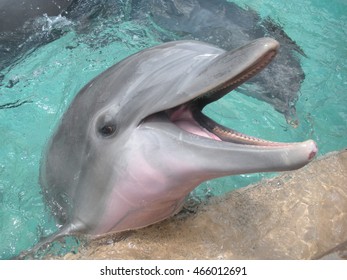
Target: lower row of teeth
{"x": 238, "y": 135}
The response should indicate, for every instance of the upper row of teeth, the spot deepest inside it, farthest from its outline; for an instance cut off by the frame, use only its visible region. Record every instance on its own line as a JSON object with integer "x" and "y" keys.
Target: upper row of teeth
{"x": 242, "y": 78}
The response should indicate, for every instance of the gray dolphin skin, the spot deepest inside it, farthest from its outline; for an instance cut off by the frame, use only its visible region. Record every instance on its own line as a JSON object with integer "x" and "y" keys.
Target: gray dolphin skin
{"x": 134, "y": 142}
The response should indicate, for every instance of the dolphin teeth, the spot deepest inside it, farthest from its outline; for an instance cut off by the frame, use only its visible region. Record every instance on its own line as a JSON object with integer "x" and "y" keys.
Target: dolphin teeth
{"x": 229, "y": 135}
{"x": 239, "y": 80}
{"x": 255, "y": 70}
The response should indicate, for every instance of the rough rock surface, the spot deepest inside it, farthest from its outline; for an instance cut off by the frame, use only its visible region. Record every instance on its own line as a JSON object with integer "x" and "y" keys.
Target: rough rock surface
{"x": 298, "y": 215}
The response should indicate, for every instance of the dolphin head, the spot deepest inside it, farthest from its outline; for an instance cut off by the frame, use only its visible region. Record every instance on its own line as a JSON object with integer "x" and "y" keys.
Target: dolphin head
{"x": 134, "y": 141}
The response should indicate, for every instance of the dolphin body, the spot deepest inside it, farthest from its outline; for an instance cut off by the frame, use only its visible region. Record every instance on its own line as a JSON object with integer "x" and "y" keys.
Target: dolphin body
{"x": 134, "y": 142}
{"x": 230, "y": 26}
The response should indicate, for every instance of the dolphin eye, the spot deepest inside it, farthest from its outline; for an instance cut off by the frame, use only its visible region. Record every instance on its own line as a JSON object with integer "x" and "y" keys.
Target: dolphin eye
{"x": 107, "y": 130}
{"x": 106, "y": 125}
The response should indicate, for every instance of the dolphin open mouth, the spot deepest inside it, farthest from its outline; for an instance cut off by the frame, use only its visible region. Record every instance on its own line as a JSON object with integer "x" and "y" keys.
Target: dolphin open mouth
{"x": 223, "y": 73}
{"x": 189, "y": 116}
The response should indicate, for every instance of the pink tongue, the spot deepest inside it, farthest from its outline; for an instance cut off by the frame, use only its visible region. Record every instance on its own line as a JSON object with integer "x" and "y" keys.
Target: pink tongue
{"x": 192, "y": 127}
{"x": 182, "y": 117}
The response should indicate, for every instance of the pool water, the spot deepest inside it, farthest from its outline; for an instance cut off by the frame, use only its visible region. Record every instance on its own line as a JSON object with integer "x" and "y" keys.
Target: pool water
{"x": 36, "y": 91}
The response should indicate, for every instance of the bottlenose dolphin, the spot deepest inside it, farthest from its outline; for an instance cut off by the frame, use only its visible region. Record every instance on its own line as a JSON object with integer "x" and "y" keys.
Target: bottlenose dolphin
{"x": 230, "y": 26}
{"x": 134, "y": 141}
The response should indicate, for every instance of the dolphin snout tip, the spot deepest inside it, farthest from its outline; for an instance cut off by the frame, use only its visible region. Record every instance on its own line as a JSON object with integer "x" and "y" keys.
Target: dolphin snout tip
{"x": 313, "y": 149}
{"x": 270, "y": 43}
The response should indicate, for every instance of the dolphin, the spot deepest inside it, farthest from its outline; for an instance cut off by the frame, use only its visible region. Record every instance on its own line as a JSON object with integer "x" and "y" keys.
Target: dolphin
{"x": 134, "y": 141}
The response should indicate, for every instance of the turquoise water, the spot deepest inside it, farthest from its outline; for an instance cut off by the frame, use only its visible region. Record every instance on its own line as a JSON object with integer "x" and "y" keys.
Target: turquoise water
{"x": 48, "y": 79}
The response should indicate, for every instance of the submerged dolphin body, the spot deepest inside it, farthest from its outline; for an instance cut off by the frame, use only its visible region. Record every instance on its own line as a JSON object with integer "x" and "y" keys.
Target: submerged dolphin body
{"x": 134, "y": 141}
{"x": 14, "y": 13}
{"x": 20, "y": 33}
{"x": 26, "y": 25}
{"x": 230, "y": 26}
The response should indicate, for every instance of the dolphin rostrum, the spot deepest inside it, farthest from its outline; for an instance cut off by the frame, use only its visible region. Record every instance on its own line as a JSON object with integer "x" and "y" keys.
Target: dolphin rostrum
{"x": 134, "y": 142}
